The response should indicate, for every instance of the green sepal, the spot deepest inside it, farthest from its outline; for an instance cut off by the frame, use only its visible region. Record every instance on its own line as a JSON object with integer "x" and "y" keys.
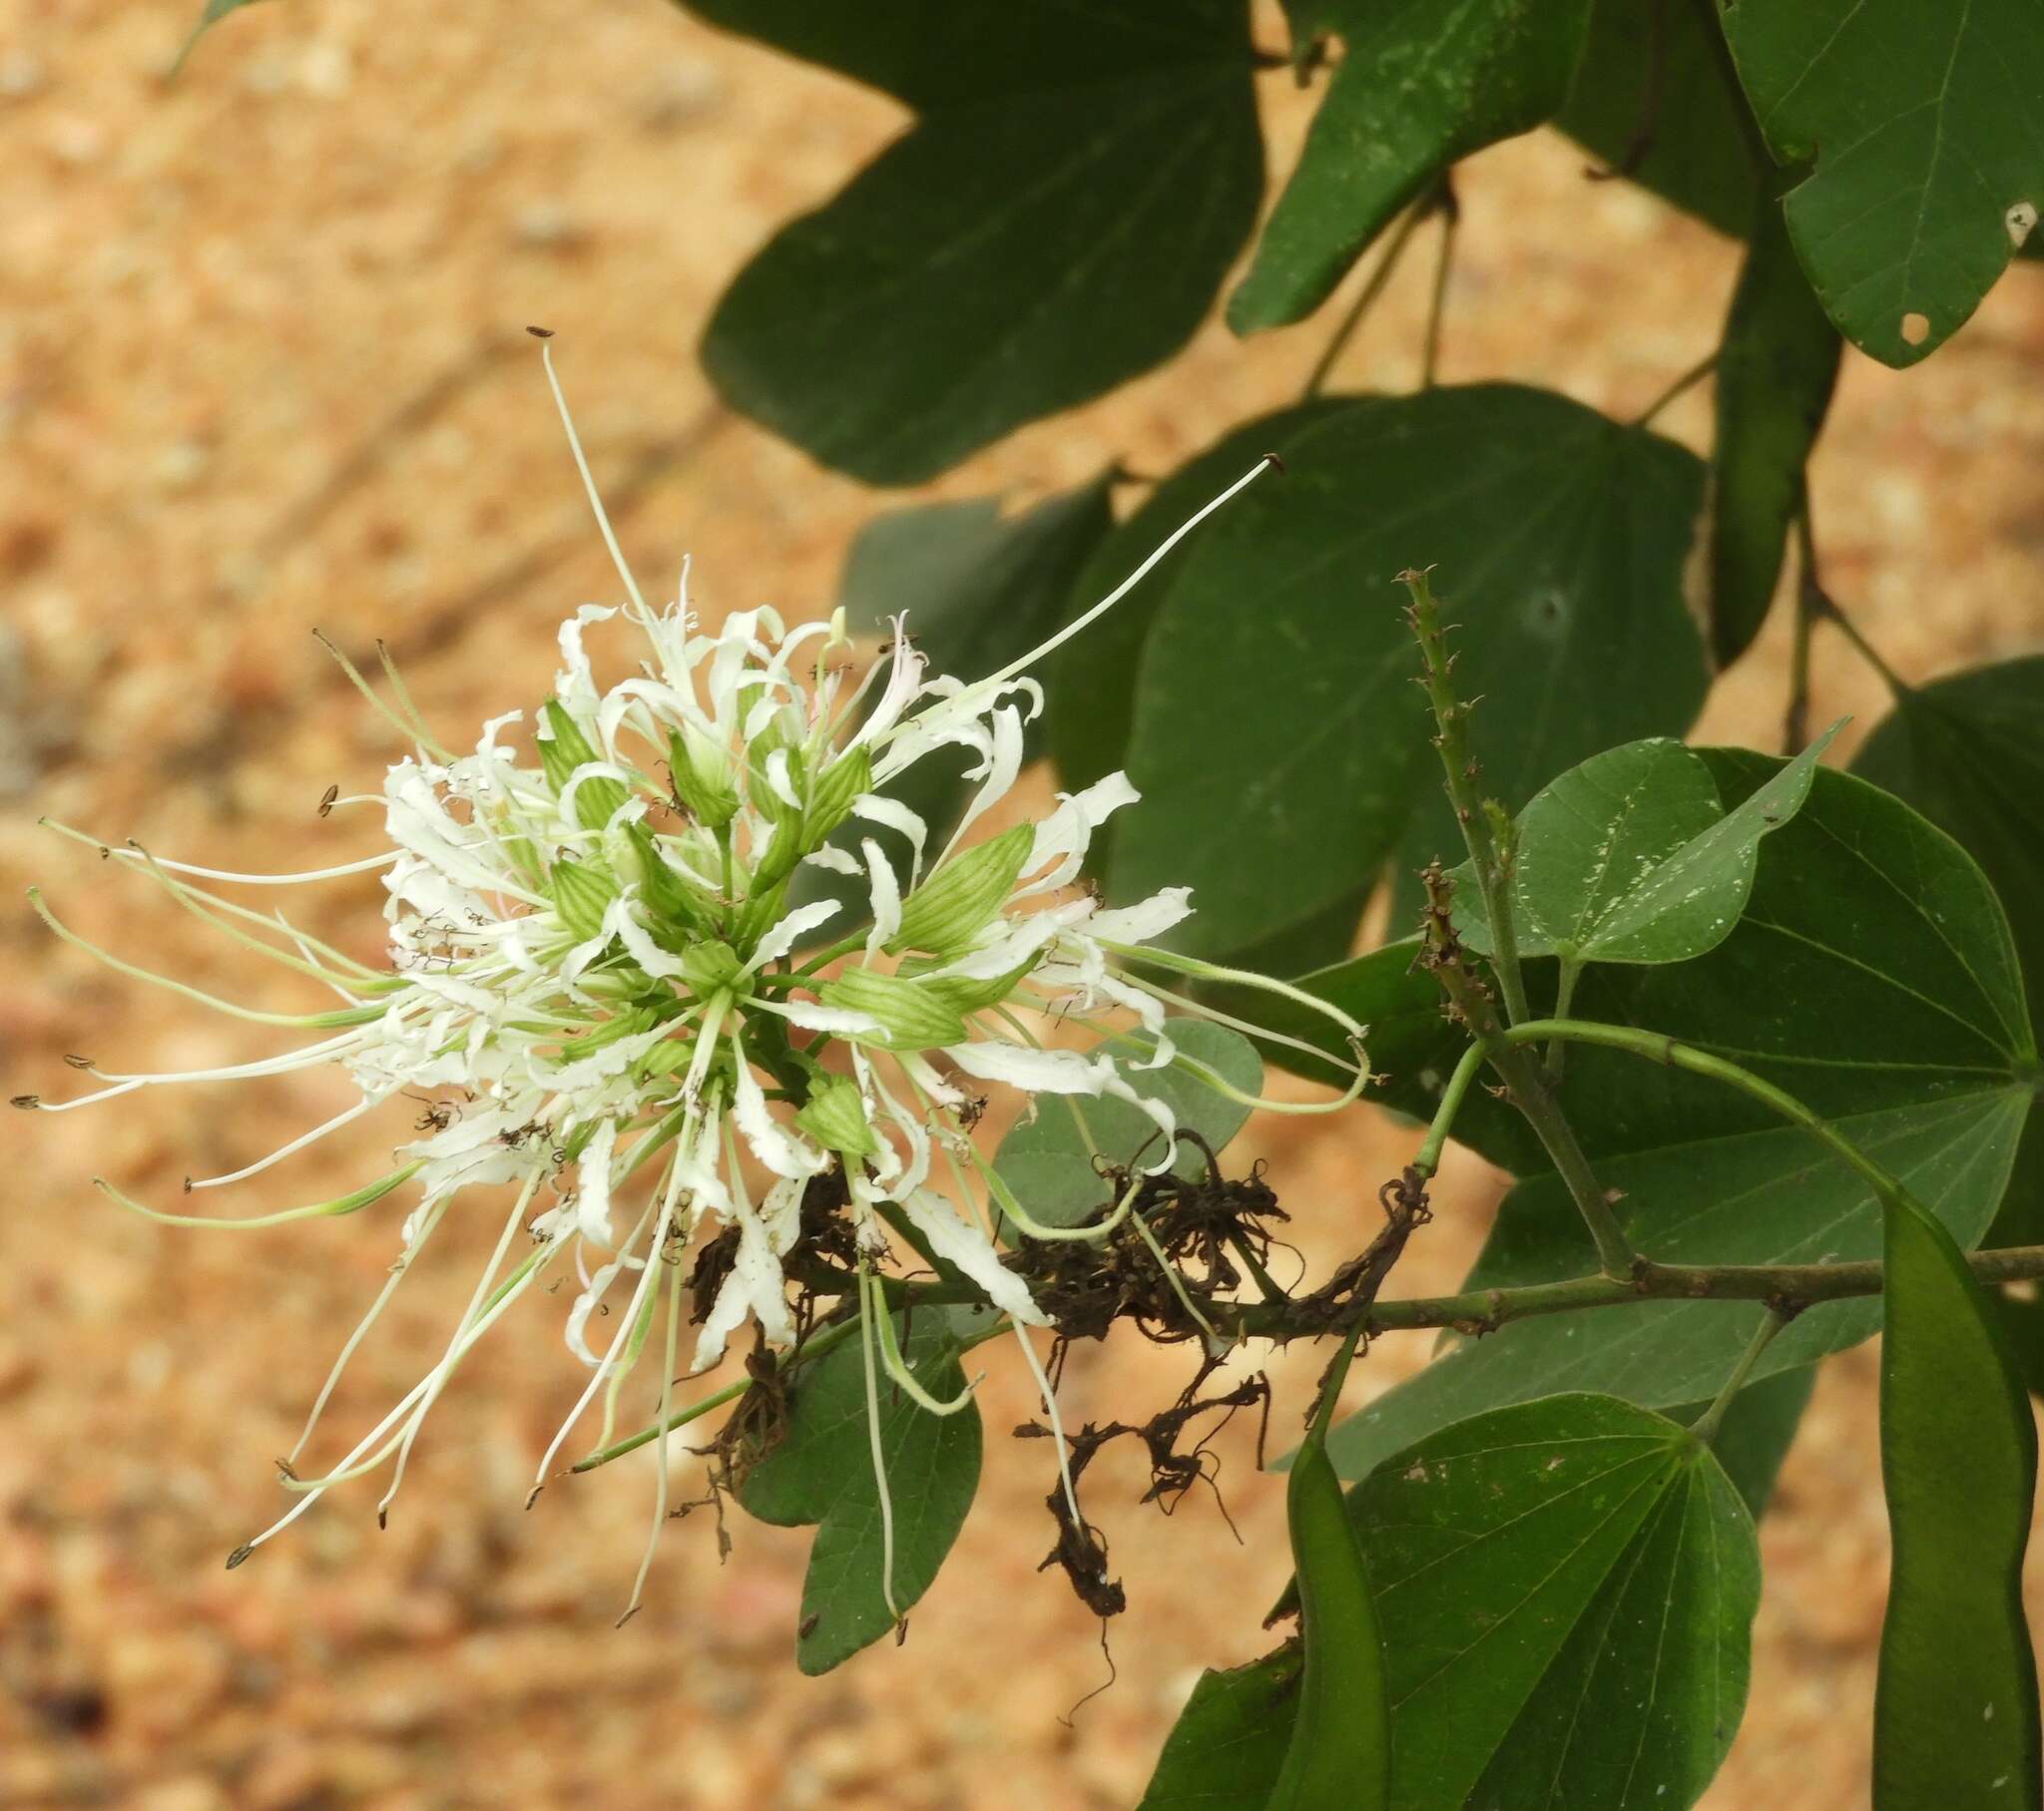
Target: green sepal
{"x": 624, "y": 1025}
{"x": 835, "y": 1117}
{"x": 679, "y": 914}
{"x": 912, "y": 1015}
{"x": 710, "y": 968}
{"x": 965, "y": 995}
{"x": 563, "y": 749}
{"x": 831, "y": 796}
{"x": 710, "y": 796}
{"x": 963, "y": 895}
{"x": 582, "y": 891}
{"x": 784, "y": 848}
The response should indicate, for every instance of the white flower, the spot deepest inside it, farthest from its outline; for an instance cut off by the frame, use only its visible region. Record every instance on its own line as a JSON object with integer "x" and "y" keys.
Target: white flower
{"x": 596, "y": 974}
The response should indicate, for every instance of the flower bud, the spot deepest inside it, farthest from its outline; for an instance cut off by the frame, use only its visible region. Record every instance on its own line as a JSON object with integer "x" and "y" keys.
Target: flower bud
{"x": 963, "y": 896}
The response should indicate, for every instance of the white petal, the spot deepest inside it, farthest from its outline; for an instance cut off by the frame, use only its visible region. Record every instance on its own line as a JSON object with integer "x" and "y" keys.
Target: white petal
{"x": 1145, "y": 919}
{"x": 791, "y": 930}
{"x": 835, "y": 1018}
{"x": 593, "y": 1199}
{"x": 956, "y": 1241}
{"x": 1037, "y": 1072}
{"x": 777, "y": 1148}
{"x": 885, "y": 893}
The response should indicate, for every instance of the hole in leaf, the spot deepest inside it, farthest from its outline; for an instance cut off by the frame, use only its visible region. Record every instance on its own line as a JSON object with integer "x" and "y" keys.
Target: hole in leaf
{"x": 1915, "y": 327}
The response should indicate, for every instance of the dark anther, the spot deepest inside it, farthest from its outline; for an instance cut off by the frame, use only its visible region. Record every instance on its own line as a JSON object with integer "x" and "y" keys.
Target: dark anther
{"x": 541, "y": 332}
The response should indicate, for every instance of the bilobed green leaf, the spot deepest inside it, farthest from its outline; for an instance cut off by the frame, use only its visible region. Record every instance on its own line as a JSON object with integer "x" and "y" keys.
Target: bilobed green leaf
{"x": 1567, "y": 1591}
{"x": 1560, "y": 537}
{"x": 1955, "y": 1715}
{"x": 1656, "y": 101}
{"x": 1872, "y": 976}
{"x": 1048, "y": 1160}
{"x": 1777, "y": 364}
{"x": 1225, "y": 1749}
{"x": 821, "y": 1471}
{"x": 1340, "y": 1747}
{"x": 1056, "y": 221}
{"x": 1629, "y": 857}
{"x": 1420, "y": 85}
{"x": 1926, "y": 125}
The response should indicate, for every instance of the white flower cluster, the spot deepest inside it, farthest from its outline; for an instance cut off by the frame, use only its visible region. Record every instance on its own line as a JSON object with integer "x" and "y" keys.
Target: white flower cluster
{"x": 601, "y": 966}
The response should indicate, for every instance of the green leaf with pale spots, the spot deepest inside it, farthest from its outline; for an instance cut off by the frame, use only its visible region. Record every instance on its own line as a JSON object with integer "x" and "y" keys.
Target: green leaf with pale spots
{"x": 1049, "y": 1160}
{"x": 1055, "y": 221}
{"x": 1629, "y": 857}
{"x": 822, "y": 1471}
{"x": 1567, "y": 1591}
{"x": 1925, "y": 125}
{"x": 1420, "y": 84}
{"x": 1282, "y": 749}
{"x": 1872, "y": 976}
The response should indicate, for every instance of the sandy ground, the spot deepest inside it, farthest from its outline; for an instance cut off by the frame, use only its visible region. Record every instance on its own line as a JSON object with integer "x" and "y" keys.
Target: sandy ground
{"x": 214, "y": 297}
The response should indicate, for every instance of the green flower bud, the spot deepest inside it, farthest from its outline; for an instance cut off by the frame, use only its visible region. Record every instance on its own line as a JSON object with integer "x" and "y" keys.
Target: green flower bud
{"x": 702, "y": 777}
{"x": 910, "y": 1015}
{"x": 963, "y": 896}
{"x": 709, "y": 968}
{"x": 582, "y": 892}
{"x": 563, "y": 749}
{"x": 835, "y": 1117}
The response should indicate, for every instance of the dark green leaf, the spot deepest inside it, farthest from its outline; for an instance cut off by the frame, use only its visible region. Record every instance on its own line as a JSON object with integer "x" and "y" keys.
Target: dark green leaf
{"x": 1629, "y": 857}
{"x": 1872, "y": 976}
{"x": 1420, "y": 85}
{"x": 1776, "y": 368}
{"x": 1561, "y": 538}
{"x": 1955, "y": 1713}
{"x": 1056, "y": 221}
{"x": 1567, "y": 1591}
{"x": 1340, "y": 1748}
{"x": 1227, "y": 1746}
{"x": 821, "y": 1471}
{"x": 1968, "y": 752}
{"x": 1049, "y": 1160}
{"x": 1924, "y": 123}
{"x": 1655, "y": 99}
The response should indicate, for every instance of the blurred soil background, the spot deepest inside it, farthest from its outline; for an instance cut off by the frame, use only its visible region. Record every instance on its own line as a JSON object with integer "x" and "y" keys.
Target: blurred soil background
{"x": 260, "y": 370}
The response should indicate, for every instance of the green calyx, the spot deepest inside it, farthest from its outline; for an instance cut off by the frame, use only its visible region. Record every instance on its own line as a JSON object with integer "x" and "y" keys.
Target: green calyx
{"x": 563, "y": 748}
{"x": 828, "y": 803}
{"x": 836, "y": 1116}
{"x": 963, "y": 896}
{"x": 912, "y": 1015}
{"x": 710, "y": 968}
{"x": 702, "y": 777}
{"x": 582, "y": 891}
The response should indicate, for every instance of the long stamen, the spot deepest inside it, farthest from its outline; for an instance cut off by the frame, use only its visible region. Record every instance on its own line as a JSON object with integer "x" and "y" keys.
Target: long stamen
{"x": 434, "y": 1213}
{"x": 1079, "y": 623}
{"x": 367, "y": 865}
{"x": 283, "y": 1150}
{"x": 437, "y": 1379}
{"x": 347, "y": 1016}
{"x": 603, "y": 521}
{"x": 660, "y": 1452}
{"x": 314, "y": 1210}
{"x": 879, "y": 1451}
{"x": 897, "y": 1366}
